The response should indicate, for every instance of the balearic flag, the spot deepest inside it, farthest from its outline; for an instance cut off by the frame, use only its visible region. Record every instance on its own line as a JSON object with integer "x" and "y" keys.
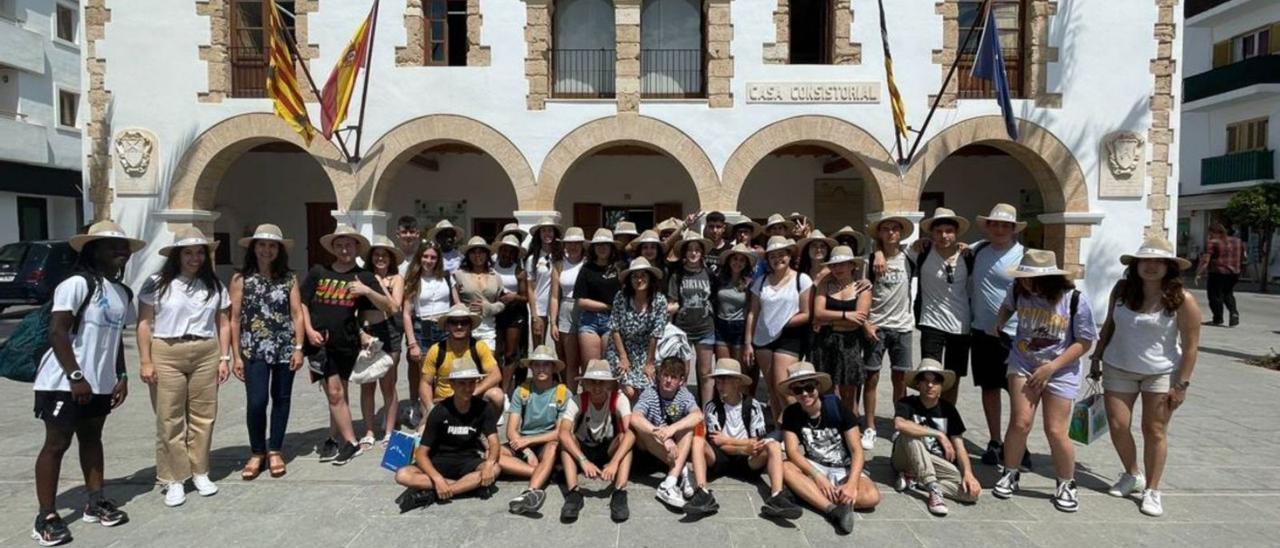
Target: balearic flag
{"x": 282, "y": 80}
{"x": 895, "y": 98}
{"x": 989, "y": 65}
{"x": 342, "y": 81}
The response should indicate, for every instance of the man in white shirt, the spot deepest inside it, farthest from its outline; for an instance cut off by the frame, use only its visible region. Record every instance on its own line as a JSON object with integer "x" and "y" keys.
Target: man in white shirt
{"x": 408, "y": 237}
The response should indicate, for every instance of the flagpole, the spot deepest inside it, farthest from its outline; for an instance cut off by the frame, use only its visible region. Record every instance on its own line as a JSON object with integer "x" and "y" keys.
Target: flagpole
{"x": 982, "y": 16}
{"x": 368, "y": 68}
{"x": 884, "y": 38}
{"x": 297, "y": 60}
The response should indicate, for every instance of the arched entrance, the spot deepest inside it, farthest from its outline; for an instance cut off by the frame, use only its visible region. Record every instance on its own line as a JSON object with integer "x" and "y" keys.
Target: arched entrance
{"x": 972, "y": 164}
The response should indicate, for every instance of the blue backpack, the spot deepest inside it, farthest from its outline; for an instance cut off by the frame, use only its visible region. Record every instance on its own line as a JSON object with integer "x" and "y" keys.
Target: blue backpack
{"x": 20, "y": 356}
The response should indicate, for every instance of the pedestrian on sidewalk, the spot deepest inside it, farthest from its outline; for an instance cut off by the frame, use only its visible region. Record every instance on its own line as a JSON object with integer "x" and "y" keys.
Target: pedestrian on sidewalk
{"x": 1222, "y": 258}
{"x": 266, "y": 338}
{"x": 1149, "y": 344}
{"x": 184, "y": 343}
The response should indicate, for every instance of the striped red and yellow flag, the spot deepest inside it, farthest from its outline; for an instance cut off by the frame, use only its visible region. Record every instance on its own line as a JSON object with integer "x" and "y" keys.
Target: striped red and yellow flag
{"x": 342, "y": 81}
{"x": 282, "y": 80}
{"x": 895, "y": 98}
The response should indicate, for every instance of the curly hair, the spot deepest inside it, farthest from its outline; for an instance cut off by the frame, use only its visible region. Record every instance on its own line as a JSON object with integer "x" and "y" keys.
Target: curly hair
{"x": 1171, "y": 289}
{"x": 673, "y": 366}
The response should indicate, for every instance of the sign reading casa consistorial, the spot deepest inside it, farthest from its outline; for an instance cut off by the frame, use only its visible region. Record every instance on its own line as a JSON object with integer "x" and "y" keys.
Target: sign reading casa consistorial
{"x": 813, "y": 92}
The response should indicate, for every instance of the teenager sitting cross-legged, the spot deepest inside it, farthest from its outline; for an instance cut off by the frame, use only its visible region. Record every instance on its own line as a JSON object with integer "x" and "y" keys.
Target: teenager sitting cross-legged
{"x": 532, "y": 440}
{"x": 664, "y": 420}
{"x": 596, "y": 437}
{"x": 929, "y": 451}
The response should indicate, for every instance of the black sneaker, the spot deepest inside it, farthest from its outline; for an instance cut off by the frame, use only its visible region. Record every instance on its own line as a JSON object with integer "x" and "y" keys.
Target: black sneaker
{"x": 618, "y": 509}
{"x": 780, "y": 506}
{"x": 702, "y": 503}
{"x": 842, "y": 517}
{"x": 50, "y": 530}
{"x": 328, "y": 450}
{"x": 412, "y": 499}
{"x": 104, "y": 512}
{"x": 346, "y": 453}
{"x": 572, "y": 507}
{"x": 1026, "y": 461}
{"x": 1234, "y": 321}
{"x": 994, "y": 455}
{"x": 529, "y": 502}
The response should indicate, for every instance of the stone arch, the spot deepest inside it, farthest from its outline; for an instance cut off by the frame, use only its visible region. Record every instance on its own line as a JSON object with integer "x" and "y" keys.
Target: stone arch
{"x": 1050, "y": 162}
{"x": 627, "y": 129}
{"x": 398, "y": 146}
{"x": 851, "y": 142}
{"x": 203, "y": 165}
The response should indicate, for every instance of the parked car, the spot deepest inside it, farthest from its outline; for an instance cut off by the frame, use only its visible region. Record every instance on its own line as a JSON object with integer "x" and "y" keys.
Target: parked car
{"x": 29, "y": 271}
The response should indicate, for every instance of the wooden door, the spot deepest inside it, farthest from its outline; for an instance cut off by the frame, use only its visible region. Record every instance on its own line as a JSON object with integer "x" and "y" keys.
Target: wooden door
{"x": 664, "y": 211}
{"x": 320, "y": 221}
{"x": 588, "y": 217}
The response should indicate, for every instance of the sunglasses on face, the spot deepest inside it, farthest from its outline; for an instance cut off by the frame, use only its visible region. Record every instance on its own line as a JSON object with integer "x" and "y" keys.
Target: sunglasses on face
{"x": 458, "y": 323}
{"x": 806, "y": 388}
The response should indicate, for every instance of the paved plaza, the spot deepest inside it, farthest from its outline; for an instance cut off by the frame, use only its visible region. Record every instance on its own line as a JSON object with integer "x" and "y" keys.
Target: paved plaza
{"x": 1222, "y": 485}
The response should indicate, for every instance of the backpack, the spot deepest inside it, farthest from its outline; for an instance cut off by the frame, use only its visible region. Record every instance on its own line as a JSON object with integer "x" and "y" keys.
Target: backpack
{"x": 969, "y": 256}
{"x": 717, "y": 405}
{"x": 442, "y": 349}
{"x": 831, "y": 409}
{"x": 525, "y": 391}
{"x": 584, "y": 401}
{"x": 20, "y": 356}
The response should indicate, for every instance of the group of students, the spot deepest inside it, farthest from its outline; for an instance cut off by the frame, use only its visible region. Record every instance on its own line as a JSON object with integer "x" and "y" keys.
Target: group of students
{"x": 616, "y": 322}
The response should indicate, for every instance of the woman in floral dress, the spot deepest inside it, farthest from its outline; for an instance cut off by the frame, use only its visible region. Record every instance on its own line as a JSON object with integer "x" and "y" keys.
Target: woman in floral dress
{"x": 638, "y": 317}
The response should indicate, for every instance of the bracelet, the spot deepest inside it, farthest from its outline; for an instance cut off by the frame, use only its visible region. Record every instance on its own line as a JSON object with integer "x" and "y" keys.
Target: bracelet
{"x": 582, "y": 458}
{"x": 226, "y": 358}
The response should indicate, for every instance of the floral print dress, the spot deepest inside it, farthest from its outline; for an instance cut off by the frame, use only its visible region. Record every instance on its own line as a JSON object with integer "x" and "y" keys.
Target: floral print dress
{"x": 636, "y": 329}
{"x": 266, "y": 326}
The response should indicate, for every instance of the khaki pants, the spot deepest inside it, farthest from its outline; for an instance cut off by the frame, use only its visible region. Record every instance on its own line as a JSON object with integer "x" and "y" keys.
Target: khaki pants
{"x": 912, "y": 457}
{"x": 185, "y": 400}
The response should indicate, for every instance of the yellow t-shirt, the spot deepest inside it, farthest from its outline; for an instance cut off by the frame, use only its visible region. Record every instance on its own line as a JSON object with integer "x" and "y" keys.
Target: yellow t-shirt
{"x": 440, "y": 375}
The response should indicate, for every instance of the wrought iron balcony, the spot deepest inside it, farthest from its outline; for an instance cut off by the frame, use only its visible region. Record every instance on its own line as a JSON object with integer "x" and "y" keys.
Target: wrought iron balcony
{"x": 1253, "y": 165}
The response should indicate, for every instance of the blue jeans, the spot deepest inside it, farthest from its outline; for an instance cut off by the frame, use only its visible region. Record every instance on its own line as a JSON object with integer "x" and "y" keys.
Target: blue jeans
{"x": 263, "y": 381}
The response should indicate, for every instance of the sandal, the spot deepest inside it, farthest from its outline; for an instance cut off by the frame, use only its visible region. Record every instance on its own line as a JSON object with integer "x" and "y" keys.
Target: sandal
{"x": 276, "y": 461}
{"x": 252, "y": 468}
{"x": 366, "y": 443}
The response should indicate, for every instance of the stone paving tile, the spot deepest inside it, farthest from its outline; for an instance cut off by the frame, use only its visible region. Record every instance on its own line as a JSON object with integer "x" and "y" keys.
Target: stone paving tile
{"x": 950, "y": 534}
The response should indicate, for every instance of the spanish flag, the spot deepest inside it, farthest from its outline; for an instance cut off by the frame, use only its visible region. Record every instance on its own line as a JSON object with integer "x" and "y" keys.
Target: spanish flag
{"x": 282, "y": 80}
{"x": 342, "y": 81}
{"x": 895, "y": 98}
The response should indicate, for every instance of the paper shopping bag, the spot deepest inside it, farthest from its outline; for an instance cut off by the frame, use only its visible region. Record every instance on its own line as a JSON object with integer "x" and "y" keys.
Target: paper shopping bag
{"x": 1089, "y": 418}
{"x": 399, "y": 450}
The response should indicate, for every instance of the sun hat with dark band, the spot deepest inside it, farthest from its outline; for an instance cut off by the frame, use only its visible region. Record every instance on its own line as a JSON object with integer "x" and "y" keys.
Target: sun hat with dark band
{"x": 777, "y": 219}
{"x": 848, "y": 231}
{"x": 476, "y": 242}
{"x": 741, "y": 250}
{"x": 1002, "y": 213}
{"x": 604, "y": 236}
{"x": 944, "y": 214}
{"x": 188, "y": 237}
{"x": 689, "y": 237}
{"x": 383, "y": 242}
{"x": 442, "y": 226}
{"x": 1156, "y": 247}
{"x": 543, "y": 353}
{"x": 509, "y": 241}
{"x": 638, "y": 264}
{"x": 512, "y": 229}
{"x": 458, "y": 311}
{"x": 646, "y": 237}
{"x": 742, "y": 220}
{"x": 598, "y": 370}
{"x": 345, "y": 231}
{"x": 804, "y": 371}
{"x": 815, "y": 236}
{"x": 102, "y": 230}
{"x": 780, "y": 243}
{"x": 465, "y": 369}
{"x": 907, "y": 227}
{"x": 930, "y": 365}
{"x": 729, "y": 367}
{"x": 842, "y": 254}
{"x": 625, "y": 228}
{"x": 268, "y": 233}
{"x": 1036, "y": 263}
{"x": 574, "y": 234}
{"x": 545, "y": 222}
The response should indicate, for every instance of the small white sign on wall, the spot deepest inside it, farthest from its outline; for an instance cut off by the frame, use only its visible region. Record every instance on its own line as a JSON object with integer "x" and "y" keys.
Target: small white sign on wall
{"x": 135, "y": 155}
{"x": 813, "y": 92}
{"x": 1122, "y": 165}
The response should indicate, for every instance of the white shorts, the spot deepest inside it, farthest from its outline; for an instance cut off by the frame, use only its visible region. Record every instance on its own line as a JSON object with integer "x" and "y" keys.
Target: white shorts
{"x": 1115, "y": 379}
{"x": 837, "y": 475}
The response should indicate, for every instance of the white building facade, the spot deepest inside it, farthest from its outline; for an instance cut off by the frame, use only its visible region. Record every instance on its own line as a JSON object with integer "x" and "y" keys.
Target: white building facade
{"x": 1230, "y": 112}
{"x": 40, "y": 126}
{"x": 484, "y": 111}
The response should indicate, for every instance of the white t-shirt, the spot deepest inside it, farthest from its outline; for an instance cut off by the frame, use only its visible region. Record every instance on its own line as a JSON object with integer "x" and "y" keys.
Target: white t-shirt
{"x": 733, "y": 425}
{"x": 568, "y": 277}
{"x": 777, "y": 305}
{"x": 539, "y": 269}
{"x": 597, "y": 427}
{"x": 944, "y": 305}
{"x": 185, "y": 308}
{"x": 434, "y": 298}
{"x": 98, "y": 339}
{"x": 452, "y": 260}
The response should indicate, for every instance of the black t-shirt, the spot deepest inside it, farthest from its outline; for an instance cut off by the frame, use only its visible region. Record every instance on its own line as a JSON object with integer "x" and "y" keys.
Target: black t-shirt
{"x": 327, "y": 294}
{"x": 451, "y": 432}
{"x": 713, "y": 255}
{"x": 942, "y": 417}
{"x": 598, "y": 283}
{"x": 822, "y": 437}
{"x": 692, "y": 290}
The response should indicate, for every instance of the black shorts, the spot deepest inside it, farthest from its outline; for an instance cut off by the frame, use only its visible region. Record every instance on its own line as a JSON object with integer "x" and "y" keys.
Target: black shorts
{"x": 738, "y": 466}
{"x": 336, "y": 362}
{"x": 456, "y": 465}
{"x": 989, "y": 361}
{"x": 57, "y": 408}
{"x": 513, "y": 317}
{"x": 792, "y": 340}
{"x": 949, "y": 348}
{"x": 597, "y": 454}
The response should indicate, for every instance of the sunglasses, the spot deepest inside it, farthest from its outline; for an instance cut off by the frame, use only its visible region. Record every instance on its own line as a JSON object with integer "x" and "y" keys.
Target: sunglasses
{"x": 801, "y": 389}
{"x": 458, "y": 323}
{"x": 951, "y": 272}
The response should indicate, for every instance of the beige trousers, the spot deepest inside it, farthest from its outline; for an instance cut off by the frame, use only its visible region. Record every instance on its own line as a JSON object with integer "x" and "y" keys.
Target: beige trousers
{"x": 911, "y": 456}
{"x": 185, "y": 400}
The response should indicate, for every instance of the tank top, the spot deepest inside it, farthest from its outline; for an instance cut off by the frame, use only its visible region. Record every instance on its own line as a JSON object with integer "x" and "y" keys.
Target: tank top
{"x": 1145, "y": 343}
{"x": 568, "y": 276}
{"x": 540, "y": 275}
{"x": 509, "y": 276}
{"x": 433, "y": 298}
{"x": 266, "y": 326}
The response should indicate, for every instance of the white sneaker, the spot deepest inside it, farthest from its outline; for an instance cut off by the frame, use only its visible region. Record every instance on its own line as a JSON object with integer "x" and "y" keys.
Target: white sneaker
{"x": 174, "y": 495}
{"x": 671, "y": 496}
{"x": 1151, "y": 504}
{"x": 686, "y": 480}
{"x": 869, "y": 439}
{"x": 204, "y": 485}
{"x": 1127, "y": 485}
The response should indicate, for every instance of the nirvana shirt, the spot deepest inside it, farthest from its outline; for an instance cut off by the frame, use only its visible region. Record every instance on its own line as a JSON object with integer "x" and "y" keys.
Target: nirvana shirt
{"x": 333, "y": 307}
{"x": 942, "y": 417}
{"x": 692, "y": 290}
{"x": 451, "y": 432}
{"x": 661, "y": 412}
{"x": 821, "y": 437}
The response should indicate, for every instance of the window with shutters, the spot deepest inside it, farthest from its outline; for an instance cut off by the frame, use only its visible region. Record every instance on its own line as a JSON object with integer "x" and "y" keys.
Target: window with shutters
{"x": 446, "y": 32}
{"x": 248, "y": 47}
{"x": 1247, "y": 136}
{"x": 65, "y": 21}
{"x": 1251, "y": 44}
{"x": 1010, "y": 15}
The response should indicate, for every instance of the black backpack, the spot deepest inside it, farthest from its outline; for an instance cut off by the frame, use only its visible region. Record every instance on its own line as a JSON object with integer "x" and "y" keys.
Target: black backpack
{"x": 21, "y": 354}
{"x": 717, "y": 405}
{"x": 442, "y": 349}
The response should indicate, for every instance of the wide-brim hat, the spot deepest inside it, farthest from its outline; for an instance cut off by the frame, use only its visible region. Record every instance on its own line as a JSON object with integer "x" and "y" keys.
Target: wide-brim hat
{"x": 269, "y": 233}
{"x": 815, "y": 236}
{"x": 574, "y": 234}
{"x": 847, "y": 230}
{"x": 345, "y": 231}
{"x": 843, "y": 254}
{"x": 598, "y": 370}
{"x": 908, "y": 227}
{"x": 458, "y": 311}
{"x": 779, "y": 219}
{"x": 1036, "y": 263}
{"x": 545, "y": 222}
{"x": 742, "y": 220}
{"x": 473, "y": 243}
{"x": 511, "y": 241}
{"x": 543, "y": 353}
{"x": 930, "y": 365}
{"x": 1002, "y": 213}
{"x": 465, "y": 368}
{"x": 1156, "y": 247}
{"x": 941, "y": 214}
{"x": 638, "y": 264}
{"x": 739, "y": 249}
{"x": 383, "y": 242}
{"x": 728, "y": 367}
{"x": 689, "y": 237}
{"x": 804, "y": 371}
{"x": 646, "y": 237}
{"x": 512, "y": 229}
{"x": 625, "y": 228}
{"x": 780, "y": 243}
{"x": 188, "y": 237}
{"x": 604, "y": 236}
{"x": 102, "y": 230}
{"x": 442, "y": 226}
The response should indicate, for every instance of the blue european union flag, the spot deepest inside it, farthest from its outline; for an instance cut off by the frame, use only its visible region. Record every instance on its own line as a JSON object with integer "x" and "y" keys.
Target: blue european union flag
{"x": 989, "y": 65}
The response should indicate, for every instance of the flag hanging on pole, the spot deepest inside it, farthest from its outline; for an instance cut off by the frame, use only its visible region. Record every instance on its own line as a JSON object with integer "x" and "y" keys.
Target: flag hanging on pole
{"x": 282, "y": 80}
{"x": 895, "y": 98}
{"x": 989, "y": 65}
{"x": 342, "y": 81}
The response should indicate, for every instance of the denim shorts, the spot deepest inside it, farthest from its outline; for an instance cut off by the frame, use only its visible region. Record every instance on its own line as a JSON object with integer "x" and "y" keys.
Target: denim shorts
{"x": 731, "y": 333}
{"x": 594, "y": 322}
{"x": 896, "y": 343}
{"x": 427, "y": 332}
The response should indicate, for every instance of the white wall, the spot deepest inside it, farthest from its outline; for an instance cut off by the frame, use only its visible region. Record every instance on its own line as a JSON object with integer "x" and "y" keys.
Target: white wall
{"x": 786, "y": 184}
{"x": 37, "y": 92}
{"x": 61, "y": 210}
{"x": 476, "y": 178}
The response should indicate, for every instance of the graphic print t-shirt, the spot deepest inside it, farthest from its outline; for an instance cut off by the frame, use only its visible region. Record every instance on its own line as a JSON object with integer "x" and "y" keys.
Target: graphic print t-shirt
{"x": 821, "y": 437}
{"x": 693, "y": 291}
{"x": 98, "y": 339}
{"x": 452, "y": 432}
{"x": 942, "y": 417}
{"x": 891, "y": 296}
{"x": 1045, "y": 330}
{"x": 333, "y": 307}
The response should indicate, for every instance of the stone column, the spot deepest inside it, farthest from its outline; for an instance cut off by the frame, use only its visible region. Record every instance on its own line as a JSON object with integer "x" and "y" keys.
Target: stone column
{"x": 1164, "y": 68}
{"x": 537, "y": 60}
{"x": 719, "y": 54}
{"x": 627, "y": 69}
{"x": 526, "y": 218}
{"x": 176, "y": 219}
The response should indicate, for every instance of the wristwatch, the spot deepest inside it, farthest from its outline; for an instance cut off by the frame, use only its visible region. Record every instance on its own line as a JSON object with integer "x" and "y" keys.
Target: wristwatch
{"x": 75, "y": 376}
{"x": 1182, "y": 384}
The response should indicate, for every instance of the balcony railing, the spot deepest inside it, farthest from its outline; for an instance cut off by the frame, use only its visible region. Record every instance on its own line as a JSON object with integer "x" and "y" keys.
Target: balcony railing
{"x": 672, "y": 73}
{"x": 1197, "y": 7}
{"x": 583, "y": 73}
{"x": 969, "y": 87}
{"x": 1253, "y": 165}
{"x": 1264, "y": 69}
{"x": 248, "y": 72}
